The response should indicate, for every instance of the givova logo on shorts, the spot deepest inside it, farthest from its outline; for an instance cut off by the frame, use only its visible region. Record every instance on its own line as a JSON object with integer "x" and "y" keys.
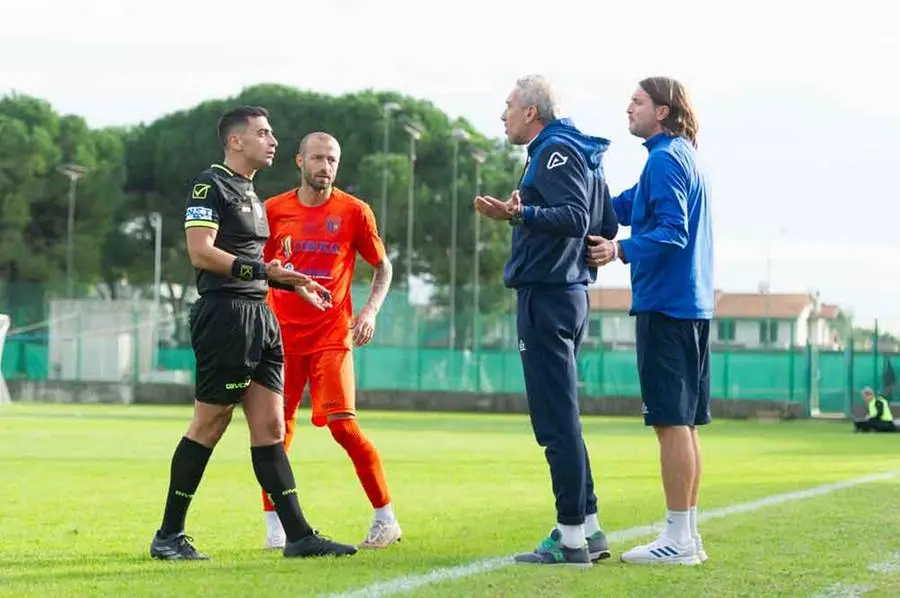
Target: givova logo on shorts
{"x": 237, "y": 385}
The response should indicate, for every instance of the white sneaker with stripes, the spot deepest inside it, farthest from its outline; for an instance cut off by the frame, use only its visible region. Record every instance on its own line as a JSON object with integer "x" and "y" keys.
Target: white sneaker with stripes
{"x": 663, "y": 551}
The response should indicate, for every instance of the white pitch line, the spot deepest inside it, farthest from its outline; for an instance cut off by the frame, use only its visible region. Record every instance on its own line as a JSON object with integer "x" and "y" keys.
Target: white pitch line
{"x": 407, "y": 583}
{"x": 888, "y": 567}
{"x": 843, "y": 590}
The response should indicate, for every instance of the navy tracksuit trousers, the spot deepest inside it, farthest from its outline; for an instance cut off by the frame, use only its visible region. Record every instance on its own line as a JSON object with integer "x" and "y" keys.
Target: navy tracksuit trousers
{"x": 552, "y": 322}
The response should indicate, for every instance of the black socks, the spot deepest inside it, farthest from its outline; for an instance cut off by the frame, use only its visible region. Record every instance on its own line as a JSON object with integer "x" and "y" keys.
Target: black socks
{"x": 188, "y": 464}
{"x": 273, "y": 471}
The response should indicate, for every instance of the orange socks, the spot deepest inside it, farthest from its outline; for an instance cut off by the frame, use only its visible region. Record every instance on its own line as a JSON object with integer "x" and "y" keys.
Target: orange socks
{"x": 362, "y": 453}
{"x": 365, "y": 459}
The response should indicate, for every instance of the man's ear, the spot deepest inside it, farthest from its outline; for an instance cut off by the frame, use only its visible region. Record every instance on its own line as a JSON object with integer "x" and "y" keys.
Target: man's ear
{"x": 662, "y": 112}
{"x": 530, "y": 114}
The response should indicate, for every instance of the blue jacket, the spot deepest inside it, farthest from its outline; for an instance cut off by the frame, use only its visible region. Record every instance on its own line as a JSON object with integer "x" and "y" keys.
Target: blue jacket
{"x": 564, "y": 198}
{"x": 671, "y": 244}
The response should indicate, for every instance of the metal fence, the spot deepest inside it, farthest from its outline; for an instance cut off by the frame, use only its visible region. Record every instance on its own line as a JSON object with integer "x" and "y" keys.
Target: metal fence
{"x": 128, "y": 341}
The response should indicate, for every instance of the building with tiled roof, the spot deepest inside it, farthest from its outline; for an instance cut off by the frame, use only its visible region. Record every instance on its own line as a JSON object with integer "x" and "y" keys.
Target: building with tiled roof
{"x": 742, "y": 320}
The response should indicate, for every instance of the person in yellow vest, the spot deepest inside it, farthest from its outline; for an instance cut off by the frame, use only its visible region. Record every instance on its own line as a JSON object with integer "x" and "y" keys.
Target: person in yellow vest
{"x": 880, "y": 418}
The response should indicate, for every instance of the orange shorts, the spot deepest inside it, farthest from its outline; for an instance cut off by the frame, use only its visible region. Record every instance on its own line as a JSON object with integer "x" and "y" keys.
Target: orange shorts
{"x": 332, "y": 385}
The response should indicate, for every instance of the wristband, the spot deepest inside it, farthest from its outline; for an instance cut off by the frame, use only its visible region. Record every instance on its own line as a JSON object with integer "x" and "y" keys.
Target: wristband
{"x": 248, "y": 270}
{"x": 280, "y": 285}
{"x": 518, "y": 219}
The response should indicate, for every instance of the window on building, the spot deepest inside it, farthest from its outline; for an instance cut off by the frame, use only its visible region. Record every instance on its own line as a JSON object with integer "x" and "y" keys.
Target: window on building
{"x": 725, "y": 330}
{"x": 768, "y": 332}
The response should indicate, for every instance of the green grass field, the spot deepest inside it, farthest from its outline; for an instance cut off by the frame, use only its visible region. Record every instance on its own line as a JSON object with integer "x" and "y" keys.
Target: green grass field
{"x": 83, "y": 490}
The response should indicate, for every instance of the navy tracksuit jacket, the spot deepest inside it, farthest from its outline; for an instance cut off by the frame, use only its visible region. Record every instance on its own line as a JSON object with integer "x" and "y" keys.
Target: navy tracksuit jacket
{"x": 564, "y": 198}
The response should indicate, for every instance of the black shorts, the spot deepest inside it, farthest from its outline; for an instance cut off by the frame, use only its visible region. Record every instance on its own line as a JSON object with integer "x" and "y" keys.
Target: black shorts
{"x": 673, "y": 367}
{"x": 235, "y": 341}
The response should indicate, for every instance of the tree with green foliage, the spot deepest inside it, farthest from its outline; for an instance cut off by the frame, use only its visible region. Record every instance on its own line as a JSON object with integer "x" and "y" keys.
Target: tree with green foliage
{"x": 164, "y": 156}
{"x": 35, "y": 142}
{"x": 133, "y": 172}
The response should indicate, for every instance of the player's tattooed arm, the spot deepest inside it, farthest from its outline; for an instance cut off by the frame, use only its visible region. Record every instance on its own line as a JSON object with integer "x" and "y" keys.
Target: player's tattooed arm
{"x": 381, "y": 283}
{"x": 364, "y": 324}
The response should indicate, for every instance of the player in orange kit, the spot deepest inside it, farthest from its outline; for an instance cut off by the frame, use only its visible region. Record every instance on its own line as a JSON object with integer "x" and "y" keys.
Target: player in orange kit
{"x": 318, "y": 229}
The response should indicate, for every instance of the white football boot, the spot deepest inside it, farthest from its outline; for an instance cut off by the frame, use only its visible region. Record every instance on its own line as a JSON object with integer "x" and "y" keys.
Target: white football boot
{"x": 382, "y": 534}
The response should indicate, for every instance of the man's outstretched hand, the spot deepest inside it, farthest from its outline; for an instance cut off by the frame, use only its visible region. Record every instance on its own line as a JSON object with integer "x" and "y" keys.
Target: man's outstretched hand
{"x": 315, "y": 294}
{"x": 496, "y": 209}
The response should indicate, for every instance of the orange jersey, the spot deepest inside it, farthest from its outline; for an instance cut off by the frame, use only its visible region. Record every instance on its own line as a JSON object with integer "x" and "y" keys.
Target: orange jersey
{"x": 322, "y": 242}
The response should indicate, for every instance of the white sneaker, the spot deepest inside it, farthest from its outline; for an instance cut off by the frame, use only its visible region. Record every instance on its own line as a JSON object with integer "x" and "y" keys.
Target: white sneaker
{"x": 698, "y": 542}
{"x": 382, "y": 534}
{"x": 663, "y": 551}
{"x": 275, "y": 537}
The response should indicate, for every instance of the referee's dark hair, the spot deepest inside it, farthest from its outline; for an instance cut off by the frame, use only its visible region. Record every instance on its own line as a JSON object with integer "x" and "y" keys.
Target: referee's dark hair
{"x": 681, "y": 120}
{"x": 237, "y": 117}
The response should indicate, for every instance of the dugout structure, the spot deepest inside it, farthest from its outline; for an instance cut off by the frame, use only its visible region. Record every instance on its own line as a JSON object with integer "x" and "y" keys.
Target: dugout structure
{"x": 102, "y": 341}
{"x": 4, "y": 329}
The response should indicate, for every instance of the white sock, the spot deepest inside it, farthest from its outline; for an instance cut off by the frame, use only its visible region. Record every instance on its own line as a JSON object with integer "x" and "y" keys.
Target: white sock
{"x": 385, "y": 514}
{"x": 572, "y": 535}
{"x": 591, "y": 525}
{"x": 693, "y": 512}
{"x": 678, "y": 526}
{"x": 273, "y": 524}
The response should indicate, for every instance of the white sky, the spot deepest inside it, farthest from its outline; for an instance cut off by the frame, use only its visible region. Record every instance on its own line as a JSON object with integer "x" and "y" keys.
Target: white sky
{"x": 797, "y": 103}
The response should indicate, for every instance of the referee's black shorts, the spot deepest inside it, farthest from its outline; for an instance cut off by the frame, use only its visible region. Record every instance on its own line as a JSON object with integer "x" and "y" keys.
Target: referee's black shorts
{"x": 235, "y": 341}
{"x": 673, "y": 368}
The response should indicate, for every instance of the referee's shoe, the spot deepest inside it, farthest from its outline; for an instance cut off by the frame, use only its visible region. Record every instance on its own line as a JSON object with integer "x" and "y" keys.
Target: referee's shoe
{"x": 317, "y": 545}
{"x": 176, "y": 547}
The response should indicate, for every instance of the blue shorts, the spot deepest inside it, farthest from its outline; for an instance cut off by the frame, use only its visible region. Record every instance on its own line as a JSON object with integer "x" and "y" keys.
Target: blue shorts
{"x": 673, "y": 367}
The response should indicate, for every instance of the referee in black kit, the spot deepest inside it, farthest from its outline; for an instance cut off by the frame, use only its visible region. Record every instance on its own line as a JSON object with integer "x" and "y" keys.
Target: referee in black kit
{"x": 236, "y": 339}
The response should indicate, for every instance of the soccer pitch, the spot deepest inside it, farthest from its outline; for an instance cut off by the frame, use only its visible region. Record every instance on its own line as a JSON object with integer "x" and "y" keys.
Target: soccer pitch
{"x": 83, "y": 491}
